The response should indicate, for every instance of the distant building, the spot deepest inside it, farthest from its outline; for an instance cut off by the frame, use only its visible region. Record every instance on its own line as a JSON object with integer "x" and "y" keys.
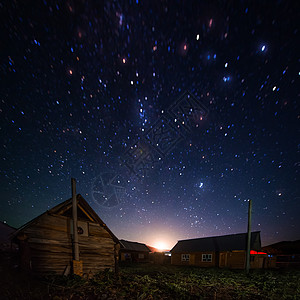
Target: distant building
{"x": 46, "y": 242}
{"x": 6, "y": 232}
{"x": 134, "y": 252}
{"x": 160, "y": 258}
{"x": 220, "y": 251}
{"x": 8, "y": 249}
{"x": 285, "y": 254}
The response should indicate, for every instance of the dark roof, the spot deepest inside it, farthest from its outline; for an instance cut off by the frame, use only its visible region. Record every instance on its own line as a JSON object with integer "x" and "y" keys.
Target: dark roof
{"x": 284, "y": 247}
{"x": 66, "y": 205}
{"x": 134, "y": 246}
{"x": 219, "y": 243}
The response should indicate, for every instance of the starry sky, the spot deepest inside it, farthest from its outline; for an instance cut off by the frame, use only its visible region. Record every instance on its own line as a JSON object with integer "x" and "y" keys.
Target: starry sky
{"x": 85, "y": 83}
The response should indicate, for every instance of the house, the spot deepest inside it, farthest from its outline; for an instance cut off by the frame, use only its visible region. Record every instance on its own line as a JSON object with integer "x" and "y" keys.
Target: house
{"x": 5, "y": 237}
{"x": 8, "y": 249}
{"x": 133, "y": 251}
{"x": 219, "y": 251}
{"x": 160, "y": 258}
{"x": 285, "y": 254}
{"x": 46, "y": 243}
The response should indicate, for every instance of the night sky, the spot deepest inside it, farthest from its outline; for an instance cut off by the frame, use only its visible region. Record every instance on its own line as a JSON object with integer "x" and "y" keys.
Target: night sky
{"x": 88, "y": 89}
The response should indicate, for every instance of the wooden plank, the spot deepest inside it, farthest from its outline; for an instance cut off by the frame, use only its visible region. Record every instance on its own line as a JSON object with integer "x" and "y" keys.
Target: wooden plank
{"x": 61, "y": 212}
{"x": 47, "y": 254}
{"x": 49, "y": 222}
{"x": 43, "y": 233}
{"x": 86, "y": 213}
{"x": 95, "y": 239}
{"x": 45, "y": 241}
{"x": 50, "y": 247}
{"x": 52, "y": 221}
{"x": 97, "y": 230}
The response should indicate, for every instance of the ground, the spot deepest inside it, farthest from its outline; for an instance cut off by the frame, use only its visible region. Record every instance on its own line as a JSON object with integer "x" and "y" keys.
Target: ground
{"x": 146, "y": 281}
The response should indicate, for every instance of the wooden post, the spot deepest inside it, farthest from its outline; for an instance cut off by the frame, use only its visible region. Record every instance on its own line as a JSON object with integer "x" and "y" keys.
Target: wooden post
{"x": 116, "y": 254}
{"x": 248, "y": 237}
{"x": 74, "y": 207}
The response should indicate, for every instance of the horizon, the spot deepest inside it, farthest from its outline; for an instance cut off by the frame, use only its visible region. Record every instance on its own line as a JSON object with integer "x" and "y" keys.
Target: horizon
{"x": 166, "y": 249}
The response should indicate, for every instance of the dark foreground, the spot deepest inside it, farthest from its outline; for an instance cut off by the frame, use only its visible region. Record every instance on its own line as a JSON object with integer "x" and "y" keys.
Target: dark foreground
{"x": 155, "y": 282}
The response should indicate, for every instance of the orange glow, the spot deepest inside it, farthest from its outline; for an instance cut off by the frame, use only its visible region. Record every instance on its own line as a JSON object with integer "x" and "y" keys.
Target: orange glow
{"x": 160, "y": 246}
{"x": 256, "y": 252}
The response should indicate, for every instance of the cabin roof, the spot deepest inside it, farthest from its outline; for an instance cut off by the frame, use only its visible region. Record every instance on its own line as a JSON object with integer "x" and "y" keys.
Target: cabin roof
{"x": 134, "y": 246}
{"x": 219, "y": 243}
{"x": 63, "y": 207}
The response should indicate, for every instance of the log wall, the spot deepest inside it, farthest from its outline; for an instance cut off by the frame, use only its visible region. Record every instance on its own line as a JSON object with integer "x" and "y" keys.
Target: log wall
{"x": 195, "y": 259}
{"x": 236, "y": 260}
{"x": 50, "y": 246}
{"x": 232, "y": 260}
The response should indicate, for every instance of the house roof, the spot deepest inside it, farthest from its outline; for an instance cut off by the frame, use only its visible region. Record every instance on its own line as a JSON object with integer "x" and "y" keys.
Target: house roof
{"x": 134, "y": 246}
{"x": 63, "y": 207}
{"x": 219, "y": 243}
{"x": 284, "y": 247}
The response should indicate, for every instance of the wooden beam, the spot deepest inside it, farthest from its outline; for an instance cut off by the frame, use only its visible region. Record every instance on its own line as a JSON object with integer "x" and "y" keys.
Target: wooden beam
{"x": 61, "y": 212}
{"x": 248, "y": 237}
{"x": 87, "y": 214}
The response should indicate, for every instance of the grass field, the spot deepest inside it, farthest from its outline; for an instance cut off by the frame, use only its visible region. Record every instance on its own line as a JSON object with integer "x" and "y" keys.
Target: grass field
{"x": 140, "y": 281}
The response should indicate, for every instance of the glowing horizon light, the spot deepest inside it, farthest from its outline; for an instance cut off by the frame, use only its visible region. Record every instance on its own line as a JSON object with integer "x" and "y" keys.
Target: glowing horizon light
{"x": 160, "y": 246}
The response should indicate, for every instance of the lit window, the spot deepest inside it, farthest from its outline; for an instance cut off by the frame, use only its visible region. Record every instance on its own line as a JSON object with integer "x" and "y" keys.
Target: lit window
{"x": 207, "y": 257}
{"x": 185, "y": 257}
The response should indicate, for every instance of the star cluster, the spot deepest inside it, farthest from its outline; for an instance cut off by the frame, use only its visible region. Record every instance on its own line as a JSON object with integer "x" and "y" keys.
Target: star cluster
{"x": 82, "y": 81}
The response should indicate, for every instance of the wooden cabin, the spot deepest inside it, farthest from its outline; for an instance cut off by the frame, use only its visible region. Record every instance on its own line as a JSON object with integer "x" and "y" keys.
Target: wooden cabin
{"x": 47, "y": 245}
{"x": 133, "y": 252}
{"x": 220, "y": 251}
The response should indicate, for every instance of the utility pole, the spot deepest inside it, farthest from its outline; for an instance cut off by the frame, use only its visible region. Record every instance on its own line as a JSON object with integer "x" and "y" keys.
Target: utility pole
{"x": 248, "y": 237}
{"x": 77, "y": 264}
{"x": 74, "y": 207}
